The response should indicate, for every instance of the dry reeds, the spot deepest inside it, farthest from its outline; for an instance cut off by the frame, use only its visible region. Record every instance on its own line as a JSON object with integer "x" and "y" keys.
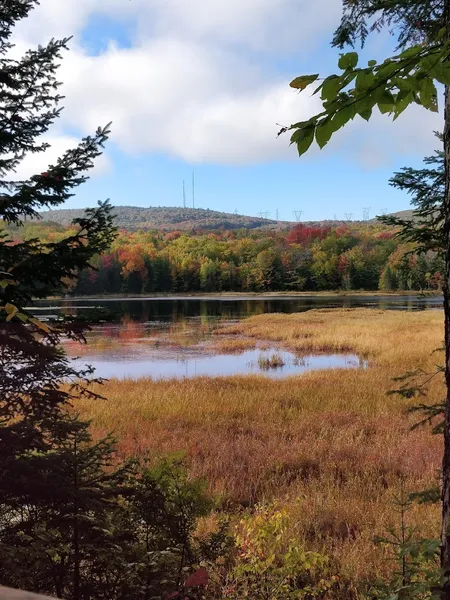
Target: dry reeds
{"x": 331, "y": 446}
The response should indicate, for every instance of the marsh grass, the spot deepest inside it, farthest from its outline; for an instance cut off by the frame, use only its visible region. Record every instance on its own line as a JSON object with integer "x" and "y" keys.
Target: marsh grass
{"x": 330, "y": 446}
{"x": 274, "y": 361}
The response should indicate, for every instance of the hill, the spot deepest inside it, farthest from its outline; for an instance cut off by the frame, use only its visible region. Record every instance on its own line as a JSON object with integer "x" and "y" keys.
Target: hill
{"x": 132, "y": 218}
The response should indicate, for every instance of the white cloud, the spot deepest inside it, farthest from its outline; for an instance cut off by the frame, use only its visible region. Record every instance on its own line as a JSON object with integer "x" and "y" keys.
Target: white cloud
{"x": 199, "y": 82}
{"x": 38, "y": 163}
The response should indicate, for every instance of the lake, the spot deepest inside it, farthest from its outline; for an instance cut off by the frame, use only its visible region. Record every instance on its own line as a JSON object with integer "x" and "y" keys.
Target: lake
{"x": 171, "y": 337}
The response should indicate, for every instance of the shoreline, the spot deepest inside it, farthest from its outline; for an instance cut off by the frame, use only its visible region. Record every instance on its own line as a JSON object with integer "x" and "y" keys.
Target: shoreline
{"x": 251, "y": 295}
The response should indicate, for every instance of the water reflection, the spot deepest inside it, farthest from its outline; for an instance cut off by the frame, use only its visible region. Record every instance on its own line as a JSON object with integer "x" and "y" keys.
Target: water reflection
{"x": 168, "y": 365}
{"x": 176, "y": 309}
{"x": 169, "y": 336}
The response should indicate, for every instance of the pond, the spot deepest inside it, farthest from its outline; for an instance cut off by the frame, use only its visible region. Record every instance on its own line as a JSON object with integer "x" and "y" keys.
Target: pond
{"x": 169, "y": 337}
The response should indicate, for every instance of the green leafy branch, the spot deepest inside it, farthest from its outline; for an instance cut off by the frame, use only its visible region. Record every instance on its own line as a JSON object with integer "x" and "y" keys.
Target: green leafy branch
{"x": 409, "y": 77}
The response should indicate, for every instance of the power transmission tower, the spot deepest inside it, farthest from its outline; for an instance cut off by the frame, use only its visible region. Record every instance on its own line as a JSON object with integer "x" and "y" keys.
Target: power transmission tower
{"x": 184, "y": 195}
{"x": 264, "y": 214}
{"x": 335, "y": 217}
{"x": 277, "y": 214}
{"x": 193, "y": 190}
{"x": 384, "y": 211}
{"x": 366, "y": 213}
{"x": 298, "y": 215}
{"x": 348, "y": 216}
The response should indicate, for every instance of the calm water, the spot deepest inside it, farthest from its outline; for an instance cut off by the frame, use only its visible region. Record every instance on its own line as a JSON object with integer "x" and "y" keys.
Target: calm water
{"x": 169, "y": 337}
{"x": 182, "y": 364}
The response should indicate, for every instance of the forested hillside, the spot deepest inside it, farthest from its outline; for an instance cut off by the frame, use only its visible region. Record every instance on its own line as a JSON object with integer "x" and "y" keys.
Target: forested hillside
{"x": 166, "y": 218}
{"x": 296, "y": 258}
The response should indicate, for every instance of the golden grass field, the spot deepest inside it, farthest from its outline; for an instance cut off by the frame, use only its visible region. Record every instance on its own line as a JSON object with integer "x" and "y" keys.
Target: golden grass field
{"x": 329, "y": 446}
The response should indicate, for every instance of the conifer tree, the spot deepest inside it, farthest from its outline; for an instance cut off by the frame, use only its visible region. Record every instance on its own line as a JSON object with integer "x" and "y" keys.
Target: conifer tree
{"x": 423, "y": 59}
{"x": 74, "y": 522}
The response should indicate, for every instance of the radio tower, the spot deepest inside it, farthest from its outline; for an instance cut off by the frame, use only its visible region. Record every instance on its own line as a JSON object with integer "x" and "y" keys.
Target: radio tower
{"x": 366, "y": 213}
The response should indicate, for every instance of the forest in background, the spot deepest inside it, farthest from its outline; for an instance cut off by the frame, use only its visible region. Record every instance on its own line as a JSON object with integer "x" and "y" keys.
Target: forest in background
{"x": 358, "y": 256}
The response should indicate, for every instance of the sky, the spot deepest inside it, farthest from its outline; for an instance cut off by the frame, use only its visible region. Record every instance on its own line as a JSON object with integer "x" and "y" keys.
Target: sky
{"x": 202, "y": 86}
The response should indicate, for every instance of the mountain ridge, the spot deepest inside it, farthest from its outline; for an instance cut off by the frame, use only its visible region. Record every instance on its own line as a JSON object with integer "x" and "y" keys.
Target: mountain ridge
{"x": 165, "y": 218}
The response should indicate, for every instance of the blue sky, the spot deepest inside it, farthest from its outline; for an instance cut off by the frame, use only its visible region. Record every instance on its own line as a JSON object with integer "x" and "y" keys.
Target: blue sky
{"x": 202, "y": 87}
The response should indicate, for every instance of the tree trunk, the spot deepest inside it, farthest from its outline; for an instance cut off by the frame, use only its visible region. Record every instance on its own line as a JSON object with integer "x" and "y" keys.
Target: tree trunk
{"x": 445, "y": 533}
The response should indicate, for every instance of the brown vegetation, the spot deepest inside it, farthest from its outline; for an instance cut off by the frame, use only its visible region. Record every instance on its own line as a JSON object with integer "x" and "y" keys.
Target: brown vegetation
{"x": 330, "y": 446}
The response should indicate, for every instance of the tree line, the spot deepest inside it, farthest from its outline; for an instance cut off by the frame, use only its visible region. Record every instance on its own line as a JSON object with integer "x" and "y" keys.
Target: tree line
{"x": 311, "y": 258}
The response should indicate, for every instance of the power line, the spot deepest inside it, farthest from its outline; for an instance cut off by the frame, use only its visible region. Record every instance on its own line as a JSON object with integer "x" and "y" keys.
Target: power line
{"x": 366, "y": 213}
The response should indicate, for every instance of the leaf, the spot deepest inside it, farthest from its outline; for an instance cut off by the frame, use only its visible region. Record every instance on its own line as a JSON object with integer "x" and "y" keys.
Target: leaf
{"x": 303, "y": 138}
{"x": 413, "y": 51}
{"x": 11, "y": 311}
{"x": 386, "y": 103}
{"x": 343, "y": 116}
{"x": 324, "y": 131}
{"x": 5, "y": 282}
{"x": 348, "y": 61}
{"x": 403, "y": 100}
{"x": 331, "y": 87}
{"x": 366, "y": 114}
{"x": 302, "y": 82}
{"x": 197, "y": 579}
{"x": 372, "y": 63}
{"x": 441, "y": 72}
{"x": 428, "y": 95}
{"x": 39, "y": 324}
{"x": 364, "y": 80}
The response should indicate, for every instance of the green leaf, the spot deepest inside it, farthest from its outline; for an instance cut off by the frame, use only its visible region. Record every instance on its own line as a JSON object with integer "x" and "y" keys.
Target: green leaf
{"x": 302, "y": 82}
{"x": 324, "y": 131}
{"x": 403, "y": 100}
{"x": 441, "y": 72}
{"x": 10, "y": 309}
{"x": 387, "y": 69}
{"x": 372, "y": 63}
{"x": 386, "y": 103}
{"x": 342, "y": 117}
{"x": 303, "y": 138}
{"x": 413, "y": 51}
{"x": 366, "y": 114}
{"x": 331, "y": 87}
{"x": 428, "y": 95}
{"x": 364, "y": 80}
{"x": 403, "y": 83}
{"x": 348, "y": 61}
